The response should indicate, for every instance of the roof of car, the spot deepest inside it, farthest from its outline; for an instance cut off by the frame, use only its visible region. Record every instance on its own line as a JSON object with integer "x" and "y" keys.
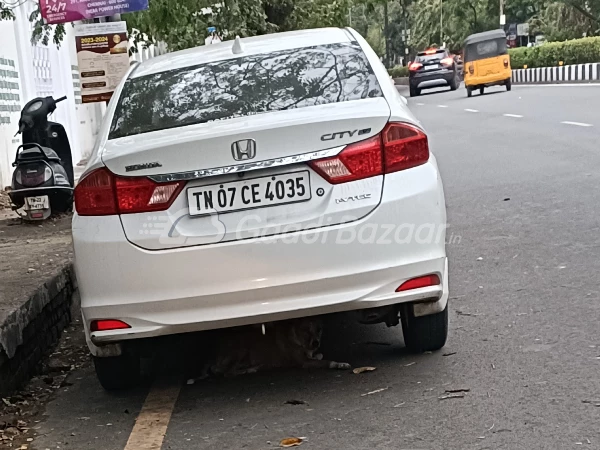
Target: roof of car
{"x": 251, "y": 46}
{"x": 485, "y": 36}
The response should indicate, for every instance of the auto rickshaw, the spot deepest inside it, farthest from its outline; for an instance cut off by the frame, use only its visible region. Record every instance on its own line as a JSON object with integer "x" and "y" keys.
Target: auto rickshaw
{"x": 486, "y": 61}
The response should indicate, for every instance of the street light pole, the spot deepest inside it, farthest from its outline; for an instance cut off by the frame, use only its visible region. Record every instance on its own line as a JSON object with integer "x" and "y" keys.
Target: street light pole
{"x": 442, "y": 21}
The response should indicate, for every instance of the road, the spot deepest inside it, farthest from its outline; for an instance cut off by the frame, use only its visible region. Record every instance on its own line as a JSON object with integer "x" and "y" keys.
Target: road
{"x": 521, "y": 179}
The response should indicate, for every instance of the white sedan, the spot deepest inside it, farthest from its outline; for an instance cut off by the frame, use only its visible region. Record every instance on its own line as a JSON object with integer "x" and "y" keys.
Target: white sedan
{"x": 252, "y": 181}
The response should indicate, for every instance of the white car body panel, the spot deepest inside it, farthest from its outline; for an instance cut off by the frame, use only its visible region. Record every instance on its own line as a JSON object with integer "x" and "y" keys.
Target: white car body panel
{"x": 166, "y": 272}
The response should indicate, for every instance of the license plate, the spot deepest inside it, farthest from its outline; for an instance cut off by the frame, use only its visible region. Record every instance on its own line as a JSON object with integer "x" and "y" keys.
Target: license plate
{"x": 249, "y": 194}
{"x": 40, "y": 202}
{"x": 432, "y": 67}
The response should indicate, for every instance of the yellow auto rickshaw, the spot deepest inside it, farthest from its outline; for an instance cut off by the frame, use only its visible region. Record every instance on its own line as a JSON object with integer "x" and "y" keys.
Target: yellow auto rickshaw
{"x": 486, "y": 61}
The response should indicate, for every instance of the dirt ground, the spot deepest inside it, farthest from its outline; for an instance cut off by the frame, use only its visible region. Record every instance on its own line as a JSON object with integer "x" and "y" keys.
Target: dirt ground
{"x": 30, "y": 253}
{"x": 21, "y": 414}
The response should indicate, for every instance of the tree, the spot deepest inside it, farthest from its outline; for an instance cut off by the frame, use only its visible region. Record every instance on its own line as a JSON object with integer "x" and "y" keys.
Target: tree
{"x": 183, "y": 24}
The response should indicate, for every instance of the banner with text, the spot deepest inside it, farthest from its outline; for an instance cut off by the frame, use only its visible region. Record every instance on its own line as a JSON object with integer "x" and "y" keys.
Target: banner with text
{"x": 103, "y": 58}
{"x": 61, "y": 11}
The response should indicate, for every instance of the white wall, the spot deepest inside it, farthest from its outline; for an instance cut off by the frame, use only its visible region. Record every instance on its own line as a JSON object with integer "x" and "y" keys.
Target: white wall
{"x": 10, "y": 100}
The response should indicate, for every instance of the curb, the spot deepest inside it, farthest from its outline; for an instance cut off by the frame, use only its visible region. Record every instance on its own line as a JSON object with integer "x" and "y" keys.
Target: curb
{"x": 403, "y": 81}
{"x": 31, "y": 330}
{"x": 575, "y": 73}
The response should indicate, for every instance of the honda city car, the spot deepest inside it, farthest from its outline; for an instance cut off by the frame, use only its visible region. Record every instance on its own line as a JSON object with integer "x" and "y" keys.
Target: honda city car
{"x": 257, "y": 180}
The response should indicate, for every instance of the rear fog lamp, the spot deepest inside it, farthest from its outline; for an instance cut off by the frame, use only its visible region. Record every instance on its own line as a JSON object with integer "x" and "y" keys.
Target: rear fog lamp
{"x": 108, "y": 324}
{"x": 419, "y": 282}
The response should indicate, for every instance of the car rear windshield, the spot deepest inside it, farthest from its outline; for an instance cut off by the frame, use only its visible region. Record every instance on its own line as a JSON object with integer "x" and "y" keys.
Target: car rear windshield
{"x": 429, "y": 56}
{"x": 244, "y": 86}
{"x": 485, "y": 49}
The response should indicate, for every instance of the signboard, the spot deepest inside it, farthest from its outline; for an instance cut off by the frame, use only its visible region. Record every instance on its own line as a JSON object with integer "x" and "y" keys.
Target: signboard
{"x": 103, "y": 59}
{"x": 523, "y": 29}
{"x": 61, "y": 11}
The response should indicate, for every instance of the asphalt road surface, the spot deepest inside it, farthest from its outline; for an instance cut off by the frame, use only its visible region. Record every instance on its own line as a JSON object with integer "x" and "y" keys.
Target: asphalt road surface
{"x": 521, "y": 177}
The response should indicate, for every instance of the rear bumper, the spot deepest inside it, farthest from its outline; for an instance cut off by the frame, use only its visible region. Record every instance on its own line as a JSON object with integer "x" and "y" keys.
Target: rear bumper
{"x": 441, "y": 77}
{"x": 346, "y": 267}
{"x": 58, "y": 195}
{"x": 490, "y": 80}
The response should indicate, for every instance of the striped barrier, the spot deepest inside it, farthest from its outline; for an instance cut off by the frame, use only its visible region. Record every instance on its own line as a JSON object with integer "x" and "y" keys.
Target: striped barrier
{"x": 561, "y": 74}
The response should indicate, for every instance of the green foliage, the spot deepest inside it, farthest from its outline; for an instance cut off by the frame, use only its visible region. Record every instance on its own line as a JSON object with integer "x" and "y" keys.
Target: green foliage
{"x": 577, "y": 51}
{"x": 183, "y": 24}
{"x": 398, "y": 71}
{"x": 42, "y": 32}
{"x": 5, "y": 12}
{"x": 376, "y": 40}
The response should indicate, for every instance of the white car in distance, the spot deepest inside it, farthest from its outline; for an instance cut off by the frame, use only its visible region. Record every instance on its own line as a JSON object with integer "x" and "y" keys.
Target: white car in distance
{"x": 257, "y": 180}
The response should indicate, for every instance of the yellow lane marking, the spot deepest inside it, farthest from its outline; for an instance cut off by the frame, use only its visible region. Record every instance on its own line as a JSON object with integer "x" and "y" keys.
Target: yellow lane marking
{"x": 151, "y": 425}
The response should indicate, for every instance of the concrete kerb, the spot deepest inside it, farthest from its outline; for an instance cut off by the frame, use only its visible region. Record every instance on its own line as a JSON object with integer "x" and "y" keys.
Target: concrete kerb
{"x": 575, "y": 73}
{"x": 33, "y": 328}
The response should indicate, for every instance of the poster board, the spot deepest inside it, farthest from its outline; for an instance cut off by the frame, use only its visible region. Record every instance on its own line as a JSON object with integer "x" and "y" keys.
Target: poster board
{"x": 103, "y": 59}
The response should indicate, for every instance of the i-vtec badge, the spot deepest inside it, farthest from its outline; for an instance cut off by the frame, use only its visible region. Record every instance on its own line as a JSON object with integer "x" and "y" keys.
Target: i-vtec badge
{"x": 353, "y": 198}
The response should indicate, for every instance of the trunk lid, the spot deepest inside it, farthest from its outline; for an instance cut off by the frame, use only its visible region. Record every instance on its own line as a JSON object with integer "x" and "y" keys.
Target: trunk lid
{"x": 207, "y": 156}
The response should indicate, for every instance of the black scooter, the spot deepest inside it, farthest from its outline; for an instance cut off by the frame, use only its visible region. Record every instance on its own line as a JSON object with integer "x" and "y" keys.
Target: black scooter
{"x": 43, "y": 180}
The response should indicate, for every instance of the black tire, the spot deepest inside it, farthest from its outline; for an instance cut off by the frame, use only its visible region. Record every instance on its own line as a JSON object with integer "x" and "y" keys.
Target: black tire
{"x": 414, "y": 92}
{"x": 508, "y": 84}
{"x": 481, "y": 91}
{"x": 424, "y": 334}
{"x": 469, "y": 91}
{"x": 118, "y": 372}
{"x": 454, "y": 84}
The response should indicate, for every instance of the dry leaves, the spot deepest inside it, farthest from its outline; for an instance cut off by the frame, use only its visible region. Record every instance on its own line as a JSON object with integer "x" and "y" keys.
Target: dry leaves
{"x": 291, "y": 442}
{"x": 376, "y": 391}
{"x": 364, "y": 369}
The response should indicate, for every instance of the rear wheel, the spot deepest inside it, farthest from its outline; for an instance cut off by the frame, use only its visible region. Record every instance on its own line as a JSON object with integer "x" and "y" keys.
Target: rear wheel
{"x": 454, "y": 83}
{"x": 118, "y": 372}
{"x": 481, "y": 90}
{"x": 424, "y": 334}
{"x": 508, "y": 84}
{"x": 469, "y": 91}
{"x": 414, "y": 92}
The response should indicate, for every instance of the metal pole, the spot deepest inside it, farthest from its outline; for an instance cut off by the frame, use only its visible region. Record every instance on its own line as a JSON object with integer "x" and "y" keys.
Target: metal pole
{"x": 441, "y": 21}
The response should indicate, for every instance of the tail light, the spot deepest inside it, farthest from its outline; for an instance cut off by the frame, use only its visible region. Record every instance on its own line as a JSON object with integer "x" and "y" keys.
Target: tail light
{"x": 471, "y": 69}
{"x": 506, "y": 63}
{"x": 414, "y": 66}
{"x": 398, "y": 147}
{"x": 416, "y": 283}
{"x": 447, "y": 62}
{"x": 102, "y": 193}
{"x": 108, "y": 324}
{"x": 33, "y": 175}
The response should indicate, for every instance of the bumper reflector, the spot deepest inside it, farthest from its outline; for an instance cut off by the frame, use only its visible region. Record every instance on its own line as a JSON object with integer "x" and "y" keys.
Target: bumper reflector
{"x": 419, "y": 282}
{"x": 108, "y": 324}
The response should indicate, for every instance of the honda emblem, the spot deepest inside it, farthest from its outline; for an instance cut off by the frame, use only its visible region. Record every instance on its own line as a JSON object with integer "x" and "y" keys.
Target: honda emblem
{"x": 244, "y": 149}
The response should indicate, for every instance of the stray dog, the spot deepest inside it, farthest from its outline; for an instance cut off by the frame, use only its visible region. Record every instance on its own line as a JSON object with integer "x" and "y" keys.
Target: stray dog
{"x": 286, "y": 344}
